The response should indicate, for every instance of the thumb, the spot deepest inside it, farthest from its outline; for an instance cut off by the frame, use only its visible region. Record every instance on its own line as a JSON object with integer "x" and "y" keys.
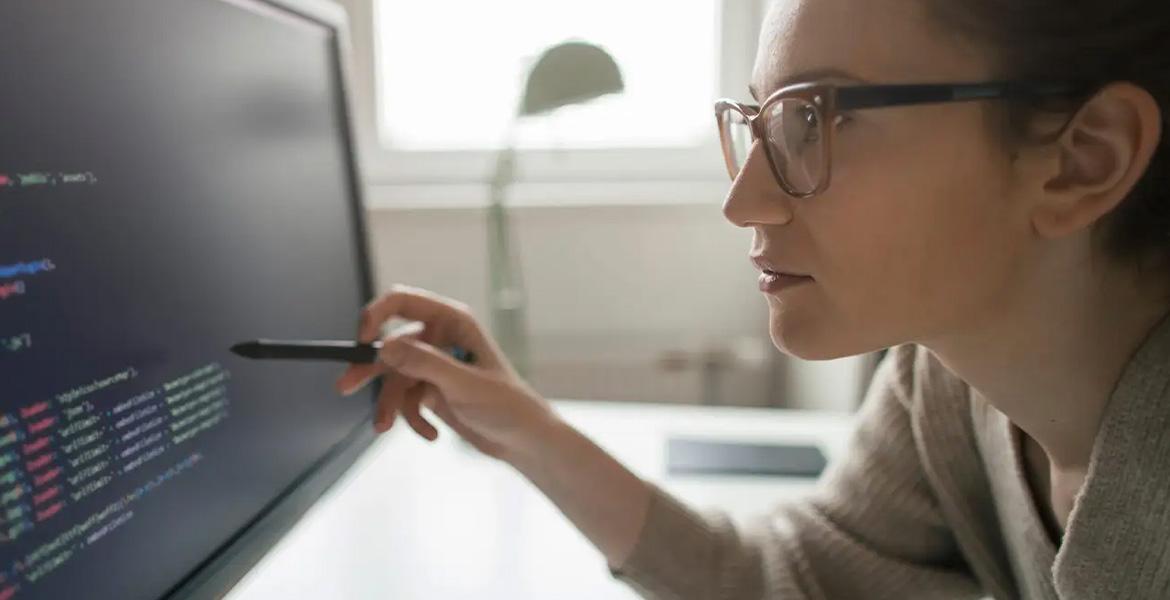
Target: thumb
{"x": 415, "y": 358}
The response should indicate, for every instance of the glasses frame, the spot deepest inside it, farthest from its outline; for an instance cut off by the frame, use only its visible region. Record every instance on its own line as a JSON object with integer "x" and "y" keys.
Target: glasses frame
{"x": 829, "y": 99}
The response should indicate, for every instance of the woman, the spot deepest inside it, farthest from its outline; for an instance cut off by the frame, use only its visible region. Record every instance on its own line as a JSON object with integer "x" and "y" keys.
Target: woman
{"x": 1012, "y": 250}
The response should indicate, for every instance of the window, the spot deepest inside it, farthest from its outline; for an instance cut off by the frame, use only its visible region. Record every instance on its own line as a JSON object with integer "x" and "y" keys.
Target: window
{"x": 449, "y": 73}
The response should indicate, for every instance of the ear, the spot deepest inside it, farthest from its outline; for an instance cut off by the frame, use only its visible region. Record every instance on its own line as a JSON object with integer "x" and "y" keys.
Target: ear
{"x": 1099, "y": 157}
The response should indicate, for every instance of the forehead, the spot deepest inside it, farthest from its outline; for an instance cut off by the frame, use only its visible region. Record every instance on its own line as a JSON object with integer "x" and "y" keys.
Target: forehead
{"x": 882, "y": 41}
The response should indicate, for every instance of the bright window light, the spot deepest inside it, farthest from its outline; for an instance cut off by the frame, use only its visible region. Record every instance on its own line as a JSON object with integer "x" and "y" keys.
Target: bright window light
{"x": 450, "y": 72}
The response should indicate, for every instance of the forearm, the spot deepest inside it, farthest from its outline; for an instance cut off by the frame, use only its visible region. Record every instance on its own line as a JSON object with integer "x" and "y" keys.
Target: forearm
{"x": 600, "y": 496}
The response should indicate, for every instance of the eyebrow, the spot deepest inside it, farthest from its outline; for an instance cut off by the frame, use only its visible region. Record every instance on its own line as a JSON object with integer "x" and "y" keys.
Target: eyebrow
{"x": 806, "y": 76}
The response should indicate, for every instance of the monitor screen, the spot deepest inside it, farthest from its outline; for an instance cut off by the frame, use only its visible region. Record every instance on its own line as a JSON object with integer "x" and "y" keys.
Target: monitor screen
{"x": 175, "y": 176}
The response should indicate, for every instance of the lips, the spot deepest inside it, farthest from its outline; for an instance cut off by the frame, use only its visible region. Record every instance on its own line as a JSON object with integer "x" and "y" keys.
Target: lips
{"x": 769, "y": 267}
{"x": 775, "y": 278}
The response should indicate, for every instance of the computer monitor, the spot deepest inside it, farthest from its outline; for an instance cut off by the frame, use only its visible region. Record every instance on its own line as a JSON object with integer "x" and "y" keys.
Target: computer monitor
{"x": 176, "y": 176}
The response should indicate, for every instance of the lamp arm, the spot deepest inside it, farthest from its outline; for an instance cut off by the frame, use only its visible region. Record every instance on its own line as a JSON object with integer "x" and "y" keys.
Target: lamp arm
{"x": 506, "y": 286}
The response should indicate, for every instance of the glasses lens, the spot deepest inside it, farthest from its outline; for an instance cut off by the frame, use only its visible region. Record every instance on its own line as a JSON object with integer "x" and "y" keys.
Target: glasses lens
{"x": 797, "y": 143}
{"x": 737, "y": 140}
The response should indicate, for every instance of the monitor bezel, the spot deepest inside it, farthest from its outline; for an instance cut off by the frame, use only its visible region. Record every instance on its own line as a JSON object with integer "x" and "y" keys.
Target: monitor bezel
{"x": 224, "y": 568}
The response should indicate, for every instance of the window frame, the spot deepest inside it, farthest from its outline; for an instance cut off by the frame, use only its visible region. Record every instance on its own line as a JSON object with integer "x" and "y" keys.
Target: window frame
{"x": 399, "y": 177}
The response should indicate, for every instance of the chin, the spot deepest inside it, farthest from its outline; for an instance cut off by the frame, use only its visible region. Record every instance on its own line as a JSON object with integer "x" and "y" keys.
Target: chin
{"x": 808, "y": 337}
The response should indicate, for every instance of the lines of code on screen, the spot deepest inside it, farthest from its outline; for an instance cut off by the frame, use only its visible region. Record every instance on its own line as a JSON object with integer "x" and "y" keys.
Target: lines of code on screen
{"x": 174, "y": 179}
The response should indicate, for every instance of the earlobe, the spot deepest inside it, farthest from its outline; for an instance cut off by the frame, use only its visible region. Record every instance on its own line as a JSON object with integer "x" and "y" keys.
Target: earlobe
{"x": 1103, "y": 152}
{"x": 1052, "y": 222}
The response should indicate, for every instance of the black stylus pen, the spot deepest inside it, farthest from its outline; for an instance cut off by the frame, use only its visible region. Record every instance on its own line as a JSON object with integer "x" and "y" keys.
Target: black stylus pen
{"x": 339, "y": 350}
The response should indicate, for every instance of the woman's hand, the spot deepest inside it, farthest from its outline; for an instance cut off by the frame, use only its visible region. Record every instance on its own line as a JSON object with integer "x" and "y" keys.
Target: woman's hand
{"x": 486, "y": 403}
{"x": 493, "y": 409}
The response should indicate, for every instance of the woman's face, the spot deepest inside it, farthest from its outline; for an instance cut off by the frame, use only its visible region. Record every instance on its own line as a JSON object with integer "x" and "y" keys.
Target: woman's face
{"x": 918, "y": 235}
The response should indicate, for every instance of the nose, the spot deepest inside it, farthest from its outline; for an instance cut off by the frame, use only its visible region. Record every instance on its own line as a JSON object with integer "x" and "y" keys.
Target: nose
{"x": 755, "y": 197}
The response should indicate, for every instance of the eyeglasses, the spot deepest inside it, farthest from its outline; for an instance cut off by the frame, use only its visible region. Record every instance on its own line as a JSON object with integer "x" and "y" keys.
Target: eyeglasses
{"x": 798, "y": 122}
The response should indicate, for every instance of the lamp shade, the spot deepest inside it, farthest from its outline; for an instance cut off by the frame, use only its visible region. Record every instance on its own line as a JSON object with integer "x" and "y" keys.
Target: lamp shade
{"x": 569, "y": 73}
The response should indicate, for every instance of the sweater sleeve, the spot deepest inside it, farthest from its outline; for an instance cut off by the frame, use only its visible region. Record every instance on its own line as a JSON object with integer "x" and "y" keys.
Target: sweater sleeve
{"x": 871, "y": 528}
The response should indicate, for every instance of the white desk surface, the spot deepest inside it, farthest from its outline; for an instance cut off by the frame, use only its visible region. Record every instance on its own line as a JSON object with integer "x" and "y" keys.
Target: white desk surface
{"x": 413, "y": 520}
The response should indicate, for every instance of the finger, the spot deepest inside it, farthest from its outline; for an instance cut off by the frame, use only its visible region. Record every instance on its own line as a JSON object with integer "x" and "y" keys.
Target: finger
{"x": 409, "y": 409}
{"x": 430, "y": 397}
{"x": 434, "y": 401}
{"x": 428, "y": 307}
{"x": 420, "y": 360}
{"x": 389, "y": 401}
{"x": 356, "y": 376}
{"x": 434, "y": 334}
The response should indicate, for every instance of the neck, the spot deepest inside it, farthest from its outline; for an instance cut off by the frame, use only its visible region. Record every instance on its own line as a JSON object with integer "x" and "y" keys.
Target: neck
{"x": 1050, "y": 356}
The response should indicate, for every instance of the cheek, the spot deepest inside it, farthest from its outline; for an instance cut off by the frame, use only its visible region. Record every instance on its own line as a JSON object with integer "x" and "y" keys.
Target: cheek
{"x": 916, "y": 234}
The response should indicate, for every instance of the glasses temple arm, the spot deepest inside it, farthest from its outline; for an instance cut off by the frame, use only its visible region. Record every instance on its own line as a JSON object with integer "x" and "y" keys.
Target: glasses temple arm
{"x": 876, "y": 96}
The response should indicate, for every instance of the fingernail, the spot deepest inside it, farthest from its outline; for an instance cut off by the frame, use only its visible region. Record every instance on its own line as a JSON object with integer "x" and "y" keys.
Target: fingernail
{"x": 409, "y": 328}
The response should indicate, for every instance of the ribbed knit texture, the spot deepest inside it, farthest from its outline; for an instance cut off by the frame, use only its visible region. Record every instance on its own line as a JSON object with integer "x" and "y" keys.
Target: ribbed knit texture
{"x": 930, "y": 501}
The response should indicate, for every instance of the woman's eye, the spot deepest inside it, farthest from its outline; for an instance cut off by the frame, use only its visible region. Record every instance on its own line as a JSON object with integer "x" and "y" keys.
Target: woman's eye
{"x": 811, "y": 118}
{"x": 812, "y": 126}
{"x": 812, "y": 129}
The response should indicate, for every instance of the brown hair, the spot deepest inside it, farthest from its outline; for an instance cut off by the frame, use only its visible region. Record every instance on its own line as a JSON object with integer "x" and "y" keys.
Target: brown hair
{"x": 1093, "y": 42}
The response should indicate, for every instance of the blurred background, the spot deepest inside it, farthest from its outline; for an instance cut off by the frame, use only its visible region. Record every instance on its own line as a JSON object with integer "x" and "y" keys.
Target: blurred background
{"x": 634, "y": 287}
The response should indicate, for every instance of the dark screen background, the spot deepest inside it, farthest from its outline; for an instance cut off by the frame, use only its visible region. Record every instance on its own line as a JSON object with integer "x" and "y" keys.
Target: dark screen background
{"x": 174, "y": 178}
